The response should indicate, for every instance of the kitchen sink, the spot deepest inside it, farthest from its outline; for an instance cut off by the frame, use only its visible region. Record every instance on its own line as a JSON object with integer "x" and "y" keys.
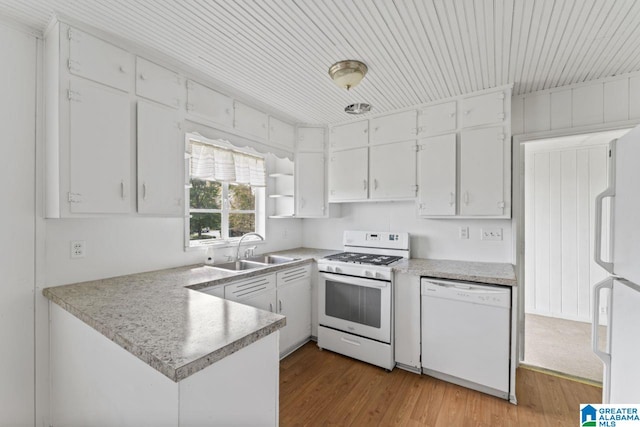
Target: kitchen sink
{"x": 239, "y": 265}
{"x": 271, "y": 259}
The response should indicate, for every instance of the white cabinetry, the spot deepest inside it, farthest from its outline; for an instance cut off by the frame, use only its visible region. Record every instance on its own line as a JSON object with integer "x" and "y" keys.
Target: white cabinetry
{"x": 407, "y": 321}
{"x": 281, "y": 134}
{"x": 350, "y": 135}
{"x": 437, "y": 119}
{"x": 483, "y": 109}
{"x": 437, "y": 175}
{"x": 97, "y": 60}
{"x": 482, "y": 172}
{"x": 281, "y": 187}
{"x": 99, "y": 149}
{"x": 392, "y": 170}
{"x": 250, "y": 121}
{"x": 208, "y": 106}
{"x": 160, "y": 160}
{"x": 310, "y": 191}
{"x": 348, "y": 175}
{"x": 311, "y": 139}
{"x": 158, "y": 83}
{"x": 393, "y": 128}
{"x": 294, "y": 302}
{"x": 258, "y": 292}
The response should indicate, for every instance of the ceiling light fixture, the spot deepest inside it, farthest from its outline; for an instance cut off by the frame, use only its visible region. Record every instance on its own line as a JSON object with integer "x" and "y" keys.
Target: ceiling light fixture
{"x": 348, "y": 74}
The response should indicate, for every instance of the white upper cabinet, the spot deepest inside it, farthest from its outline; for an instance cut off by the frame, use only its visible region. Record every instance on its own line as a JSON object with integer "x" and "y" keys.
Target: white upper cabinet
{"x": 483, "y": 109}
{"x": 393, "y": 128}
{"x": 311, "y": 139}
{"x": 97, "y": 60}
{"x": 160, "y": 160}
{"x": 209, "y": 106}
{"x": 437, "y": 119}
{"x": 99, "y": 149}
{"x": 250, "y": 121}
{"x": 158, "y": 84}
{"x": 392, "y": 170}
{"x": 348, "y": 175}
{"x": 282, "y": 134}
{"x": 482, "y": 172}
{"x": 310, "y": 189}
{"x": 437, "y": 176}
{"x": 351, "y": 135}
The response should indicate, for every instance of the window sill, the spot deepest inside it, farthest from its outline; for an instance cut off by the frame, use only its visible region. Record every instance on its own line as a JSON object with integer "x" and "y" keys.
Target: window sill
{"x": 220, "y": 244}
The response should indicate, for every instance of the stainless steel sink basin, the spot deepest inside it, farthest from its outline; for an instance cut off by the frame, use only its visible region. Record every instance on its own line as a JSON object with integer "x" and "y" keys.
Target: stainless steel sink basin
{"x": 239, "y": 265}
{"x": 271, "y": 259}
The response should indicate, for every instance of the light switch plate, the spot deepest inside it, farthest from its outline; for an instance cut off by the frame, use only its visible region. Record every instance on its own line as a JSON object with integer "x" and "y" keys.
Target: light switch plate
{"x": 491, "y": 234}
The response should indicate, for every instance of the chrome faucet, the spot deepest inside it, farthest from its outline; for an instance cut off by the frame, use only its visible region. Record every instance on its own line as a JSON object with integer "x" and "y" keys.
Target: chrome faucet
{"x": 240, "y": 241}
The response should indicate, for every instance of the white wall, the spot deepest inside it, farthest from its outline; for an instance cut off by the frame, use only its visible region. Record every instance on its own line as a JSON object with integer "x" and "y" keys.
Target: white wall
{"x": 17, "y": 225}
{"x": 430, "y": 238}
{"x": 126, "y": 245}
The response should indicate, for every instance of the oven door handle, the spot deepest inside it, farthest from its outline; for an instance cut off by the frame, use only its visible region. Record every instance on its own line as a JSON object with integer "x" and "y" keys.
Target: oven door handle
{"x": 369, "y": 283}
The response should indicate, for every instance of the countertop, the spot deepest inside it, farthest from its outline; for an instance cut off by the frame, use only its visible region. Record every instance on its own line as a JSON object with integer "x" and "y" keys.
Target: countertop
{"x": 482, "y": 272}
{"x": 160, "y": 318}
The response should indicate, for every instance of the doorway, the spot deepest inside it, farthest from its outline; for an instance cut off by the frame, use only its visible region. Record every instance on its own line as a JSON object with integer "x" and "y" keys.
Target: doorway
{"x": 562, "y": 177}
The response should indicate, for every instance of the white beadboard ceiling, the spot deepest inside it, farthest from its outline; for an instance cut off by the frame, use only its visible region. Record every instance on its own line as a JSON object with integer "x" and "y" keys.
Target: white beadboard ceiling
{"x": 278, "y": 51}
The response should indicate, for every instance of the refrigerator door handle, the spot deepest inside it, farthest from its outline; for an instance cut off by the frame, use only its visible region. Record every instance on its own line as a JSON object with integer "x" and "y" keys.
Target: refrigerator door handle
{"x": 610, "y": 191}
{"x": 595, "y": 341}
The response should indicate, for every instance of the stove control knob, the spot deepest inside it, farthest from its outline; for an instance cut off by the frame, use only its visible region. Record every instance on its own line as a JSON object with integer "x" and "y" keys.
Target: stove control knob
{"x": 329, "y": 268}
{"x": 368, "y": 273}
{"x": 338, "y": 270}
{"x": 376, "y": 275}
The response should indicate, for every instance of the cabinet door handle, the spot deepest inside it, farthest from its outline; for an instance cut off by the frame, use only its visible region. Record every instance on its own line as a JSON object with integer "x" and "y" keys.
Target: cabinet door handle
{"x": 466, "y": 197}
{"x": 144, "y": 191}
{"x": 280, "y": 304}
{"x": 364, "y": 187}
{"x": 375, "y": 184}
{"x": 271, "y": 307}
{"x": 143, "y": 77}
{"x": 122, "y": 189}
{"x": 452, "y": 198}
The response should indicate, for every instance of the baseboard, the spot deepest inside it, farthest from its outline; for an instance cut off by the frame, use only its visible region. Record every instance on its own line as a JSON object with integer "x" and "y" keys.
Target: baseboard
{"x": 561, "y": 375}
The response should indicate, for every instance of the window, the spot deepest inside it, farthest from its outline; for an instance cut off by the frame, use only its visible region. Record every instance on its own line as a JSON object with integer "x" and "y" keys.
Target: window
{"x": 226, "y": 193}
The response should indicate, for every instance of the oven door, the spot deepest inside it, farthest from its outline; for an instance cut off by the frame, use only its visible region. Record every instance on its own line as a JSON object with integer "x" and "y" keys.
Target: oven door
{"x": 355, "y": 305}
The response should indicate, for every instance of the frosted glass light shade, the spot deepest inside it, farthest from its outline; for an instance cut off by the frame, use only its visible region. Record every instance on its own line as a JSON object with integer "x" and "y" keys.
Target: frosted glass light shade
{"x": 348, "y": 74}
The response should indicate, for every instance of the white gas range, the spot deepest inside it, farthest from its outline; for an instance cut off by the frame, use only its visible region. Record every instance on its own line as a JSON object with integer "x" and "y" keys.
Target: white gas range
{"x": 355, "y": 294}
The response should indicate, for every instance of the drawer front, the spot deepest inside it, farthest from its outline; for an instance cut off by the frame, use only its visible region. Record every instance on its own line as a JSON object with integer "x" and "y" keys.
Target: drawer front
{"x": 293, "y": 274}
{"x": 97, "y": 60}
{"x": 158, "y": 84}
{"x": 249, "y": 287}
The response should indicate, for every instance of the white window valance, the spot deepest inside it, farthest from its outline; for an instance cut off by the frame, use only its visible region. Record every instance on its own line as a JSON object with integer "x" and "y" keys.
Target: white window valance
{"x": 213, "y": 163}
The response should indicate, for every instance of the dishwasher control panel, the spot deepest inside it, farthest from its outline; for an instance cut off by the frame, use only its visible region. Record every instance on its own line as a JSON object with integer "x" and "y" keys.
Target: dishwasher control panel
{"x": 477, "y": 293}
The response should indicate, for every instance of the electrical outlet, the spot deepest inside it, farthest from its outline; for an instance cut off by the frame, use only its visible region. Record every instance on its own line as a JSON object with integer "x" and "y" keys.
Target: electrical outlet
{"x": 604, "y": 310}
{"x": 491, "y": 234}
{"x": 463, "y": 232}
{"x": 285, "y": 234}
{"x": 77, "y": 249}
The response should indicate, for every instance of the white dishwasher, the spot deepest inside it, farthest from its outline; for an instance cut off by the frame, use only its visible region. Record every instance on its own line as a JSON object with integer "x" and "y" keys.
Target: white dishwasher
{"x": 465, "y": 334}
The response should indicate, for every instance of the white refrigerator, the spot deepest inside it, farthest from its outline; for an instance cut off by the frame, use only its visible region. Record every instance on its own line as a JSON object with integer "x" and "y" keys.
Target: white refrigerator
{"x": 621, "y": 352}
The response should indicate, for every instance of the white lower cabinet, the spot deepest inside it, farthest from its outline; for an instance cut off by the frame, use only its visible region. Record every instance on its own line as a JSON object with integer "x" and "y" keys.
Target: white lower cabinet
{"x": 407, "y": 321}
{"x": 287, "y": 292}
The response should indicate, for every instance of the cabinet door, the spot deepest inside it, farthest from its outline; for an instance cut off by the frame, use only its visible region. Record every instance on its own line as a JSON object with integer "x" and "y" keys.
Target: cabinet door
{"x": 265, "y": 300}
{"x": 483, "y": 109}
{"x": 392, "y": 170}
{"x": 100, "y": 148}
{"x": 158, "y": 84}
{"x": 407, "y": 320}
{"x": 160, "y": 160}
{"x": 250, "y": 120}
{"x": 348, "y": 179}
{"x": 97, "y": 60}
{"x": 437, "y": 175}
{"x": 437, "y": 119}
{"x": 207, "y": 105}
{"x": 294, "y": 302}
{"x": 282, "y": 134}
{"x": 393, "y": 128}
{"x": 311, "y": 139}
{"x": 310, "y": 194}
{"x": 350, "y": 135}
{"x": 482, "y": 179}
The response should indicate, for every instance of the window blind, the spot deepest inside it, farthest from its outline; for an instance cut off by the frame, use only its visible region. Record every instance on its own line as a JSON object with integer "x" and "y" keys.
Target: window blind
{"x": 212, "y": 163}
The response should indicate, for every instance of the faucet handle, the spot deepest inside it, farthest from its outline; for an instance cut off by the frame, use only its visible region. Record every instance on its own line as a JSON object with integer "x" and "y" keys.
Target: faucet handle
{"x": 249, "y": 251}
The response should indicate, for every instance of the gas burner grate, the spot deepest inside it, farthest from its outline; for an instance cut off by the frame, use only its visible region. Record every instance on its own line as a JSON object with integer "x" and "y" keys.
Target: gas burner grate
{"x": 360, "y": 258}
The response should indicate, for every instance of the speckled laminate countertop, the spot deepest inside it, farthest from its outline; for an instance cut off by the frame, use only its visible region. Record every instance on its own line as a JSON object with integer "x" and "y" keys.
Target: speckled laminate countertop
{"x": 160, "y": 318}
{"x": 483, "y": 272}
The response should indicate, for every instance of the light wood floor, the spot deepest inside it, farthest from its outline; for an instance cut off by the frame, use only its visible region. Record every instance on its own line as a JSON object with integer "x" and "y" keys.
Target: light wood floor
{"x": 324, "y": 388}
